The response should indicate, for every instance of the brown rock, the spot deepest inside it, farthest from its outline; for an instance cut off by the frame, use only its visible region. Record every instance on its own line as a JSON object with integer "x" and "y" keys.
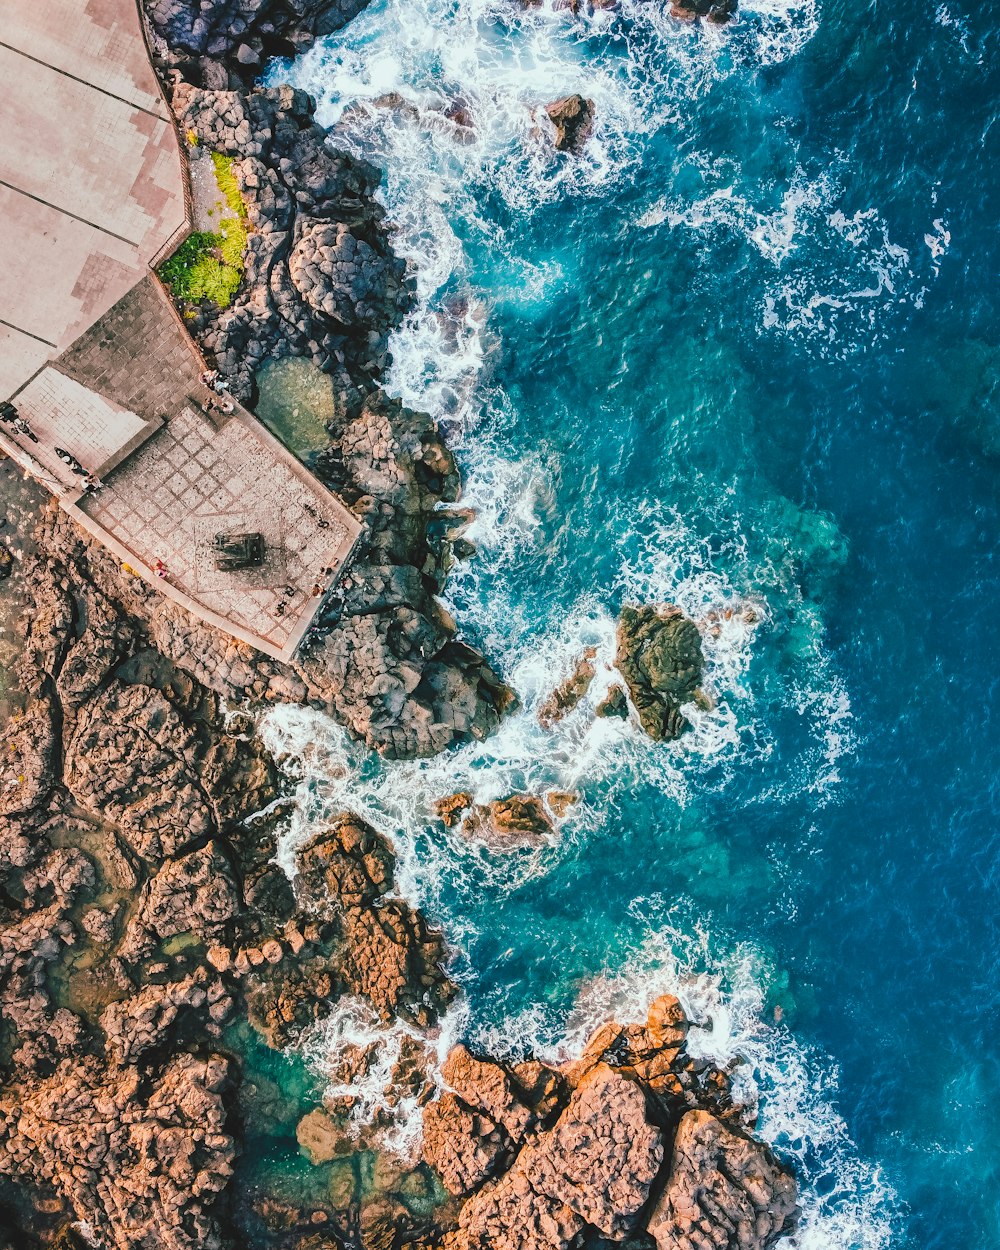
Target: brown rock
{"x": 718, "y": 12}
{"x": 451, "y": 807}
{"x": 568, "y": 694}
{"x": 725, "y": 1190}
{"x": 659, "y": 655}
{"x": 594, "y": 1168}
{"x": 573, "y": 118}
{"x": 518, "y": 821}
{"x": 614, "y": 704}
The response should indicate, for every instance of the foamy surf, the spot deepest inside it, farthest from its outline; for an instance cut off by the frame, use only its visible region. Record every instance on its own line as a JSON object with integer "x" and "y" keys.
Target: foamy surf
{"x": 847, "y": 1203}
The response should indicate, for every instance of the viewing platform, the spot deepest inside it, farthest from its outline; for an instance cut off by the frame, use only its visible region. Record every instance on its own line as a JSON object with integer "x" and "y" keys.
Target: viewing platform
{"x": 112, "y": 414}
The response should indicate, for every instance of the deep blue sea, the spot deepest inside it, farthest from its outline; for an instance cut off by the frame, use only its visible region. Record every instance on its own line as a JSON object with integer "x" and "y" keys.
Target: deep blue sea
{"x": 743, "y": 351}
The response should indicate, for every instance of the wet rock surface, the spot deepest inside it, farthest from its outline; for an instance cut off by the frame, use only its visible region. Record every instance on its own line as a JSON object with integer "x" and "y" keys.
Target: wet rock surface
{"x": 568, "y": 693}
{"x": 633, "y": 1140}
{"x": 718, "y": 12}
{"x": 223, "y": 41}
{"x": 659, "y": 655}
{"x": 573, "y": 119}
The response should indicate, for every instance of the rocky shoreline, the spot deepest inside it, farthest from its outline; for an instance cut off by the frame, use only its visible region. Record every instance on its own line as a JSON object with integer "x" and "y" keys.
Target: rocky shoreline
{"x": 145, "y": 926}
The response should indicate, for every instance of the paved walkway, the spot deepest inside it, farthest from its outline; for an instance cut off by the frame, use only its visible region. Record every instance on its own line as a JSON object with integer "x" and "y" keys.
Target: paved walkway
{"x": 91, "y": 182}
{"x": 97, "y": 361}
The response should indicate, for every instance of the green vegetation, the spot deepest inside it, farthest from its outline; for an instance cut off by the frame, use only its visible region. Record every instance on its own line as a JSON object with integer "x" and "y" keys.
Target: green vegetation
{"x": 209, "y": 265}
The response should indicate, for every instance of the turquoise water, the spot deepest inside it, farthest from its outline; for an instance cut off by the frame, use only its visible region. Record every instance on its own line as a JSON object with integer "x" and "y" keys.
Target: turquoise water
{"x": 743, "y": 351}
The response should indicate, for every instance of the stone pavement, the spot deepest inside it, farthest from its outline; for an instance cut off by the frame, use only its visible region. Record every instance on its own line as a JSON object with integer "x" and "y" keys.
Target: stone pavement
{"x": 191, "y": 481}
{"x": 91, "y": 180}
{"x": 96, "y": 358}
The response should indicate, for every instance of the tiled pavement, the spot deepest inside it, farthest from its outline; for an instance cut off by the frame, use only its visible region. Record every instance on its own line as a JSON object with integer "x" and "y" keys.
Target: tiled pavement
{"x": 62, "y": 413}
{"x": 91, "y": 191}
{"x": 190, "y": 482}
{"x": 91, "y": 181}
{"x": 142, "y": 326}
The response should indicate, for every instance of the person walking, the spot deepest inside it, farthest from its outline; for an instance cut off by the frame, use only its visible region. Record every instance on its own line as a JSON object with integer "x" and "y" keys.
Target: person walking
{"x": 24, "y": 428}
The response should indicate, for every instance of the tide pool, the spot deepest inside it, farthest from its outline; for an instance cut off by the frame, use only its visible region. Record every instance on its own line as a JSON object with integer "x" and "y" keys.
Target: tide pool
{"x": 742, "y": 352}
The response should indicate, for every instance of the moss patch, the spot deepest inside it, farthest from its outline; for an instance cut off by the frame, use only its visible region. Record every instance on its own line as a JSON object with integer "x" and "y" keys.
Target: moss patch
{"x": 209, "y": 264}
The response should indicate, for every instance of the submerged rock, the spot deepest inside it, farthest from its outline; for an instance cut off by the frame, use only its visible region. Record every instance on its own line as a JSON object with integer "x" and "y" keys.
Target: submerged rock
{"x": 659, "y": 655}
{"x": 573, "y": 118}
{"x": 568, "y": 694}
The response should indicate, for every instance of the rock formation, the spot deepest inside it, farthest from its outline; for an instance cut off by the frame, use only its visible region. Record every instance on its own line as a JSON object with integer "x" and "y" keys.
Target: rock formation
{"x": 723, "y": 1186}
{"x": 520, "y": 820}
{"x": 224, "y": 42}
{"x": 573, "y": 119}
{"x": 633, "y": 1138}
{"x": 718, "y": 12}
{"x": 568, "y": 693}
{"x": 659, "y": 655}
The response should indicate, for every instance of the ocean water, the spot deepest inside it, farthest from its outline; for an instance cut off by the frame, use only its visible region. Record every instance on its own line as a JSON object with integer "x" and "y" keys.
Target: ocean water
{"x": 741, "y": 352}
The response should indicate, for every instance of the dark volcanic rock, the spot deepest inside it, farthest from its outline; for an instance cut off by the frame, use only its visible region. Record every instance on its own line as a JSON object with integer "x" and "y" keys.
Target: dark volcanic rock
{"x": 343, "y": 278}
{"x": 207, "y": 35}
{"x": 573, "y": 118}
{"x": 659, "y": 655}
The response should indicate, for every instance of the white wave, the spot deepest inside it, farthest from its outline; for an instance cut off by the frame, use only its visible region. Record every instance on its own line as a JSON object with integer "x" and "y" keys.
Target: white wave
{"x": 847, "y": 1203}
{"x": 838, "y": 276}
{"x": 379, "y": 1114}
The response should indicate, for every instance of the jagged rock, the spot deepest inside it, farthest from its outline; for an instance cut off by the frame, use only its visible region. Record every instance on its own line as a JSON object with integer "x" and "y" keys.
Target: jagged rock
{"x": 718, "y": 12}
{"x": 725, "y": 1190}
{"x": 614, "y": 704}
{"x": 140, "y": 1159}
{"x": 573, "y": 118}
{"x": 146, "y": 1021}
{"x": 239, "y": 35}
{"x": 518, "y": 821}
{"x": 659, "y": 655}
{"x": 142, "y": 761}
{"x": 344, "y": 278}
{"x": 195, "y": 894}
{"x": 375, "y": 947}
{"x": 28, "y": 745}
{"x": 476, "y": 1125}
{"x": 594, "y": 1169}
{"x": 451, "y": 808}
{"x": 568, "y": 694}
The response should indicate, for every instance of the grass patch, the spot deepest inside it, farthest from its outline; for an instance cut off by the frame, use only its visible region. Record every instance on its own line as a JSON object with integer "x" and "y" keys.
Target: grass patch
{"x": 208, "y": 265}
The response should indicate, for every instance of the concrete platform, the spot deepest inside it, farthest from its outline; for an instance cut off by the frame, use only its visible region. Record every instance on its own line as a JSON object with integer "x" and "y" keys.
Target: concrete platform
{"x": 99, "y": 363}
{"x": 91, "y": 180}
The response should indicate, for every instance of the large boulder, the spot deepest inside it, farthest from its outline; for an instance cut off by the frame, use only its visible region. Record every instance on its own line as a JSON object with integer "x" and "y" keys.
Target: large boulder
{"x": 659, "y": 655}
{"x": 725, "y": 1190}
{"x": 592, "y": 1170}
{"x": 573, "y": 119}
{"x": 344, "y": 278}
